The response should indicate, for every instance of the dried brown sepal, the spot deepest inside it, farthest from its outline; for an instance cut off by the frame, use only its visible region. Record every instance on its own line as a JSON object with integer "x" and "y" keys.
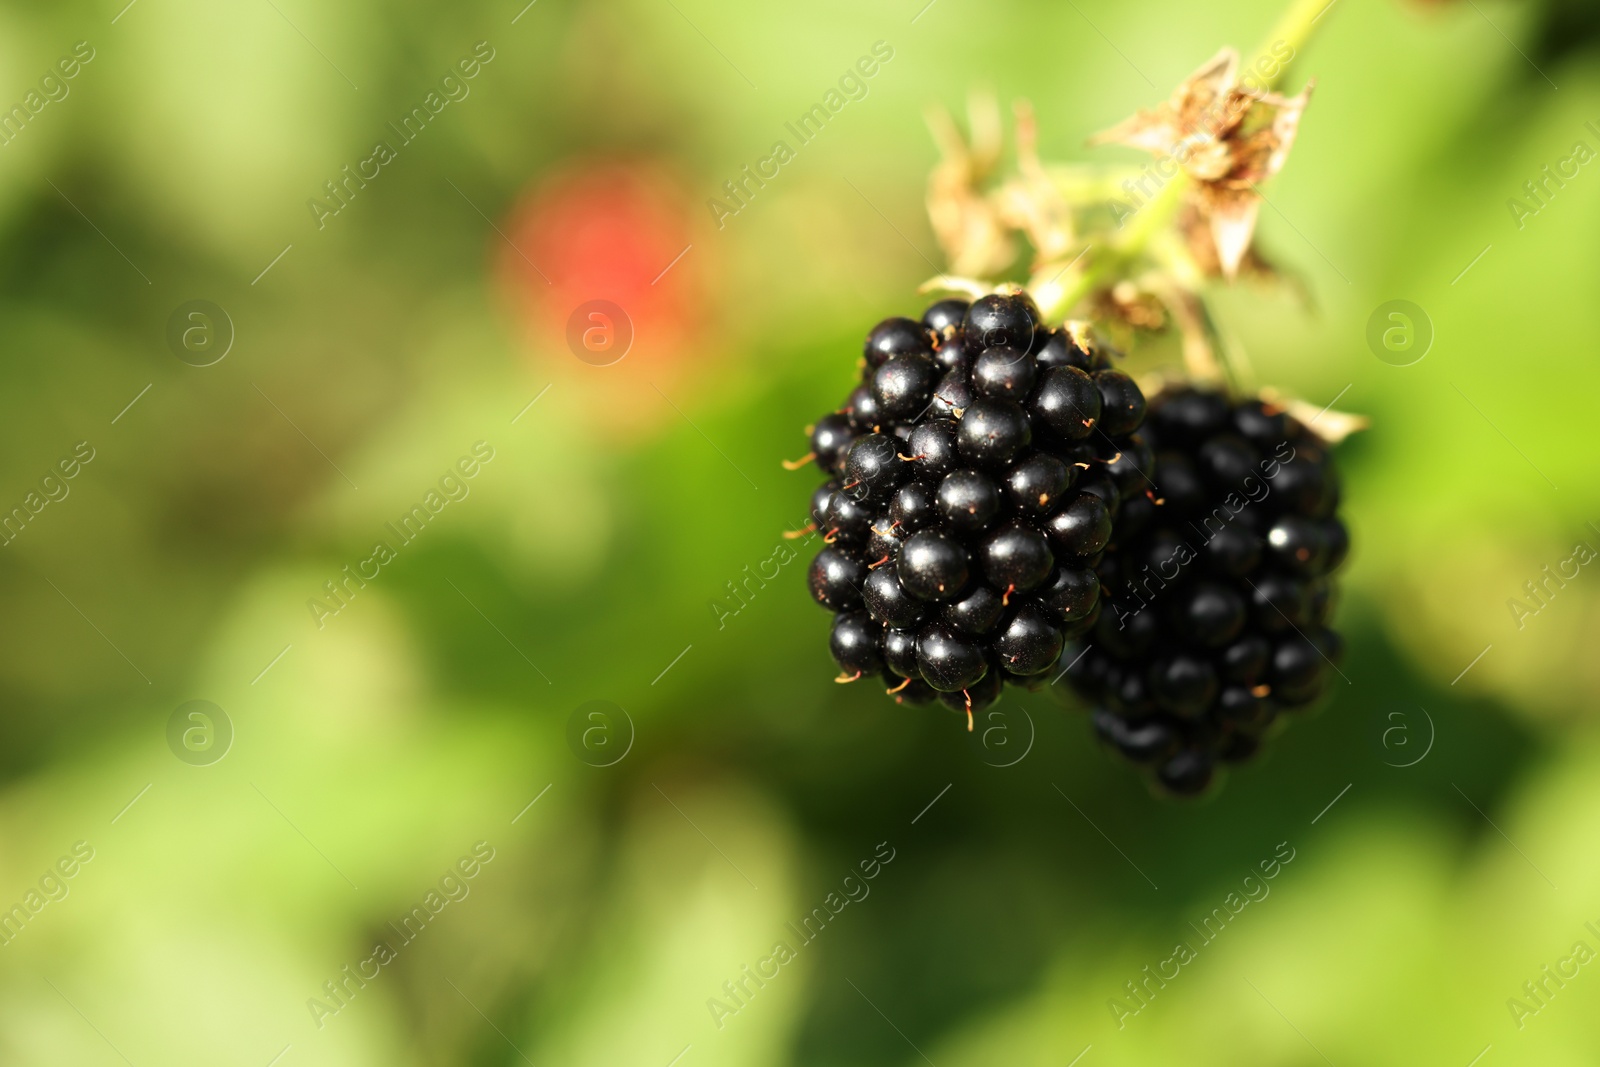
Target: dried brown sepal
{"x": 1227, "y": 139}
{"x": 1196, "y": 327}
{"x": 1195, "y": 229}
{"x": 1201, "y": 99}
{"x": 1032, "y": 202}
{"x": 966, "y": 221}
{"x": 1131, "y": 305}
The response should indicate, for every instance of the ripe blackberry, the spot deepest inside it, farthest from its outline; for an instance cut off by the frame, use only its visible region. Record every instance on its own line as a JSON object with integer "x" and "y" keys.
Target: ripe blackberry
{"x": 974, "y": 477}
{"x": 1215, "y": 600}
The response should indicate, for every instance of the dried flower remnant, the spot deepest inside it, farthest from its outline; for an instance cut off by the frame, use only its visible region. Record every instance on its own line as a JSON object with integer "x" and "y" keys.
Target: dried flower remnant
{"x": 967, "y": 221}
{"x": 1227, "y": 136}
{"x": 1031, "y": 202}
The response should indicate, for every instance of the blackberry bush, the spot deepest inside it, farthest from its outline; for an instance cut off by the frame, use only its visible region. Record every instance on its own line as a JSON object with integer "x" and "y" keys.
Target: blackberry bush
{"x": 1217, "y": 590}
{"x": 974, "y": 476}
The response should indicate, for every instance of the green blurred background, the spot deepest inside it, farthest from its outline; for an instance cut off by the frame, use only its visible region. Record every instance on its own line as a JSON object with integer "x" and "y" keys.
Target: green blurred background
{"x": 371, "y": 753}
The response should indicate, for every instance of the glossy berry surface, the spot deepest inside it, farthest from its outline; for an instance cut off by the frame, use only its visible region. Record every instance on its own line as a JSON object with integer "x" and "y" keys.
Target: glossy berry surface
{"x": 932, "y": 446}
{"x": 949, "y": 661}
{"x": 1082, "y": 526}
{"x": 855, "y": 643}
{"x": 1057, "y": 349}
{"x": 830, "y": 441}
{"x": 873, "y": 467}
{"x": 975, "y": 475}
{"x": 998, "y": 319}
{"x": 945, "y": 315}
{"x": 975, "y": 611}
{"x": 897, "y": 337}
{"x": 1214, "y": 604}
{"x": 1121, "y": 403}
{"x": 914, "y": 506}
{"x": 1036, "y": 485}
{"x": 903, "y": 386}
{"x": 900, "y": 652}
{"x": 1016, "y": 557}
{"x": 1029, "y": 643}
{"x": 887, "y": 601}
{"x": 1067, "y": 403}
{"x": 835, "y": 578}
{"x": 968, "y": 500}
{"x": 1004, "y": 372}
{"x": 934, "y": 566}
{"x": 993, "y": 432}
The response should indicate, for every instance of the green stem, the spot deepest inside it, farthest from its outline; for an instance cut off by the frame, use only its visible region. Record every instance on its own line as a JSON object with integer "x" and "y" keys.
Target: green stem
{"x": 1084, "y": 183}
{"x": 1294, "y": 29}
{"x": 1110, "y": 262}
